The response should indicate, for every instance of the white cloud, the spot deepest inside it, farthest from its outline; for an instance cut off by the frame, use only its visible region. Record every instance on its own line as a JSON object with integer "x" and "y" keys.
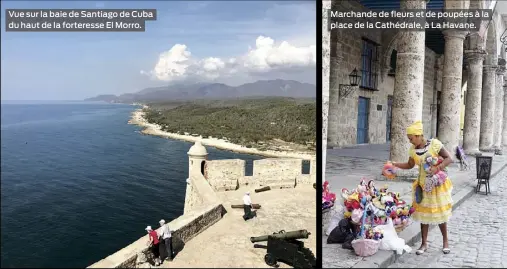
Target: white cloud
{"x": 267, "y": 56}
{"x": 172, "y": 64}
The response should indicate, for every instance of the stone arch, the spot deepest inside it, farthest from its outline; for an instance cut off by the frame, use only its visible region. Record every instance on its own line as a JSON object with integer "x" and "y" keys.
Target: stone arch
{"x": 491, "y": 44}
{"x": 389, "y": 49}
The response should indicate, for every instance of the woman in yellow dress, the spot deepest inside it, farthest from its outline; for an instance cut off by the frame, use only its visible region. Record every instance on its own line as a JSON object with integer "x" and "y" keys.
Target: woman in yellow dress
{"x": 435, "y": 207}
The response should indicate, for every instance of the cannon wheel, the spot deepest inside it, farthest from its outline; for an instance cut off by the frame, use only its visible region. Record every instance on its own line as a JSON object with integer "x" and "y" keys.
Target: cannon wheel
{"x": 270, "y": 260}
{"x": 309, "y": 258}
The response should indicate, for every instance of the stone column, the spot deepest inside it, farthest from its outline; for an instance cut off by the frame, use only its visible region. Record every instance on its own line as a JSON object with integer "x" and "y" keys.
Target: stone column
{"x": 436, "y": 88}
{"x": 487, "y": 107}
{"x": 326, "y": 38}
{"x": 450, "y": 98}
{"x": 408, "y": 85}
{"x": 472, "y": 127}
{"x": 334, "y": 101}
{"x": 498, "y": 119}
{"x": 504, "y": 120}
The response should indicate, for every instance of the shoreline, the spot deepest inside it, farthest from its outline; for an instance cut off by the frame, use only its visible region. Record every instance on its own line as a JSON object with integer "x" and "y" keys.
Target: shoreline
{"x": 137, "y": 118}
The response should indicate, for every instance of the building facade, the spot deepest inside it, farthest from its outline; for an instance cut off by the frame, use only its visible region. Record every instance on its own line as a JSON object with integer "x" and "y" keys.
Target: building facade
{"x": 452, "y": 80}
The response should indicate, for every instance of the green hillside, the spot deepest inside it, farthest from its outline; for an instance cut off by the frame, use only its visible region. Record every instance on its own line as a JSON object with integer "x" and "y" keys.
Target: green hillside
{"x": 250, "y": 122}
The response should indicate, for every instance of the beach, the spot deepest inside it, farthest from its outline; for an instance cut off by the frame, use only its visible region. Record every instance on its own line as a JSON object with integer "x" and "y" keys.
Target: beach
{"x": 137, "y": 118}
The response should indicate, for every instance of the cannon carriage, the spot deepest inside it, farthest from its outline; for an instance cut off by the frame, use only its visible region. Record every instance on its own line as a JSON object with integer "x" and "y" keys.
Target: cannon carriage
{"x": 285, "y": 247}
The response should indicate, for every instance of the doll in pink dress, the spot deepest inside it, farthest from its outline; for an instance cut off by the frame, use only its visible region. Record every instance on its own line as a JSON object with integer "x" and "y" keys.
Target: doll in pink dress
{"x": 327, "y": 195}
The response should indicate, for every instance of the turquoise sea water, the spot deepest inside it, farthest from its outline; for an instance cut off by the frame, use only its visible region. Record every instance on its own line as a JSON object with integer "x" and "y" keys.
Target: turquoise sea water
{"x": 78, "y": 183}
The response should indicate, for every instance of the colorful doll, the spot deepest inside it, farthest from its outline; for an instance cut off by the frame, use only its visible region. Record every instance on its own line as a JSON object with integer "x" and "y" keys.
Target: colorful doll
{"x": 326, "y": 194}
{"x": 362, "y": 187}
{"x": 371, "y": 188}
{"x": 389, "y": 170}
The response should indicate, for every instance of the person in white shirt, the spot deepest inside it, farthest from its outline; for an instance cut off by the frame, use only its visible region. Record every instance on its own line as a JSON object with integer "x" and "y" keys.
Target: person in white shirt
{"x": 247, "y": 206}
{"x": 165, "y": 235}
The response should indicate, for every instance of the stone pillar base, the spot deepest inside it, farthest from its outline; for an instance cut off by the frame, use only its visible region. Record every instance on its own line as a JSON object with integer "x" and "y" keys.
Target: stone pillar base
{"x": 473, "y": 152}
{"x": 489, "y": 149}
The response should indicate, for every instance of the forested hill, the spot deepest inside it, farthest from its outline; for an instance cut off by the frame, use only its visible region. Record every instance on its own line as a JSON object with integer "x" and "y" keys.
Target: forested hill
{"x": 254, "y": 122}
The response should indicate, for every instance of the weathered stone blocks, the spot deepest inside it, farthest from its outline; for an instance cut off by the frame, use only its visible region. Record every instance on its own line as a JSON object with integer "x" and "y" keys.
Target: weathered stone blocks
{"x": 274, "y": 171}
{"x": 471, "y": 132}
{"x": 488, "y": 108}
{"x": 449, "y": 130}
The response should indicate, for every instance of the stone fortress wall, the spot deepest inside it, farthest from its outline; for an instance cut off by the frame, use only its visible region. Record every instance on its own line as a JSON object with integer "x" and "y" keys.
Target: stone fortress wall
{"x": 203, "y": 208}
{"x": 225, "y": 175}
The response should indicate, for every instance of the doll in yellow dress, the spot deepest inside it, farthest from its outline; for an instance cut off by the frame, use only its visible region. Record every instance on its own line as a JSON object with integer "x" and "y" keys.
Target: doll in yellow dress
{"x": 433, "y": 207}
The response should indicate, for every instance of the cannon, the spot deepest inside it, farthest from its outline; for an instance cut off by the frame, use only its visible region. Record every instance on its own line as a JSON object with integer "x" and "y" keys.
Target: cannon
{"x": 254, "y": 206}
{"x": 267, "y": 188}
{"x": 285, "y": 247}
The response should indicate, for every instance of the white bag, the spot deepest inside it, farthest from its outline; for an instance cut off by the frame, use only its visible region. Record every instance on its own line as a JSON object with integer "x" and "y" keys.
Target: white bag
{"x": 335, "y": 219}
{"x": 391, "y": 240}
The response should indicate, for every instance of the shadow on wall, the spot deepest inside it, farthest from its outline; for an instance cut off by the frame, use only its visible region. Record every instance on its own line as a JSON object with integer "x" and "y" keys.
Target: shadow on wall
{"x": 178, "y": 245}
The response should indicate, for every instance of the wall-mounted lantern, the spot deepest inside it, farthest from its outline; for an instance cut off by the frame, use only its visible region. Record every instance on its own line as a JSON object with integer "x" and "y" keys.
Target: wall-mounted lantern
{"x": 346, "y": 90}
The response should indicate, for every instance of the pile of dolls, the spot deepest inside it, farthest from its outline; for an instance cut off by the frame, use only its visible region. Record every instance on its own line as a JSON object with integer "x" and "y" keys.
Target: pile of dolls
{"x": 328, "y": 198}
{"x": 438, "y": 178}
{"x": 380, "y": 205}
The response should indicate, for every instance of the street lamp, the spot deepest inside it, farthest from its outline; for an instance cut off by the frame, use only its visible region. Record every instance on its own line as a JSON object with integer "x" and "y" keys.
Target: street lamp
{"x": 344, "y": 89}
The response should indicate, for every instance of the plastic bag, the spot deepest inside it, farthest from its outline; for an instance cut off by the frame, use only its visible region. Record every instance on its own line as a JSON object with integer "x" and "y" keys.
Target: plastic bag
{"x": 335, "y": 219}
{"x": 391, "y": 240}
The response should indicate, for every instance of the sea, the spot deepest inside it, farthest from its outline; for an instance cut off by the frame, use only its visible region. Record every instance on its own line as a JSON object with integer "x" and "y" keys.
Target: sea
{"x": 78, "y": 183}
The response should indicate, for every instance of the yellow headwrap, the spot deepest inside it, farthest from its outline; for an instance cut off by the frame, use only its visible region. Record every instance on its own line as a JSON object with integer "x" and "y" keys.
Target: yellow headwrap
{"x": 415, "y": 129}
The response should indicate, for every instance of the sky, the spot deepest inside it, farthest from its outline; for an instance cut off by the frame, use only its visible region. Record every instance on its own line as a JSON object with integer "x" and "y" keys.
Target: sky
{"x": 231, "y": 42}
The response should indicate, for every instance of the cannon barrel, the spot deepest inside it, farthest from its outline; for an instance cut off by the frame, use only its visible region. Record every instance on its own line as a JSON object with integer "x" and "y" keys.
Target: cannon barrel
{"x": 299, "y": 234}
{"x": 254, "y": 206}
{"x": 267, "y": 188}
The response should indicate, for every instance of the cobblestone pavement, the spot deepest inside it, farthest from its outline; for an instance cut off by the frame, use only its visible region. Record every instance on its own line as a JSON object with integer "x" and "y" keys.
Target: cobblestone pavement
{"x": 226, "y": 244}
{"x": 346, "y": 167}
{"x": 477, "y": 234}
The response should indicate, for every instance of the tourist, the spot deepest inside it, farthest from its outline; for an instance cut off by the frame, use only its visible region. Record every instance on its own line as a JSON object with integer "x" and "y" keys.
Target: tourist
{"x": 247, "y": 206}
{"x": 165, "y": 235}
{"x": 153, "y": 243}
{"x": 433, "y": 207}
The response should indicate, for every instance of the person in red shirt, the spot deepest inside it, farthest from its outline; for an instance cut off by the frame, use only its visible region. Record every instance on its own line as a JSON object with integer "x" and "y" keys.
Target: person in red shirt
{"x": 153, "y": 244}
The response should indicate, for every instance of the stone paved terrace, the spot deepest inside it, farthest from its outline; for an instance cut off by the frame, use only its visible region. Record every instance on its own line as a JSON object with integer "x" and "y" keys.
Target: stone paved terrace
{"x": 477, "y": 234}
{"x": 227, "y": 244}
{"x": 346, "y": 167}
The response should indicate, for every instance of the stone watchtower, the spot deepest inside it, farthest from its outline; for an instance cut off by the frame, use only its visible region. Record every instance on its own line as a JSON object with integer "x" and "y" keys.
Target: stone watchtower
{"x": 196, "y": 163}
{"x": 196, "y": 158}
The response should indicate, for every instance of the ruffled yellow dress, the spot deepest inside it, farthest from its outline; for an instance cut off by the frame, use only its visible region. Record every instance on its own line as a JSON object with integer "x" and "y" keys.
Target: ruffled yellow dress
{"x": 436, "y": 206}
